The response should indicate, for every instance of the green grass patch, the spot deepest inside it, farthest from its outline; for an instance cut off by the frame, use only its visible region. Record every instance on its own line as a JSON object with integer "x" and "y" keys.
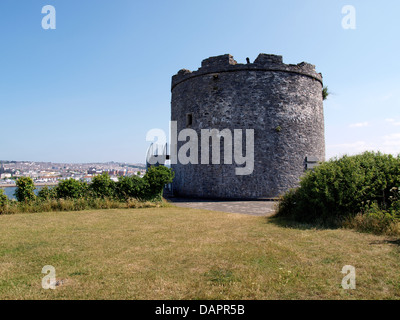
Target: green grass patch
{"x": 180, "y": 253}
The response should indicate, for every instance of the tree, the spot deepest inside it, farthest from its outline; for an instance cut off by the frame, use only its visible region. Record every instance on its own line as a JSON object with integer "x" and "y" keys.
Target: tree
{"x": 25, "y": 189}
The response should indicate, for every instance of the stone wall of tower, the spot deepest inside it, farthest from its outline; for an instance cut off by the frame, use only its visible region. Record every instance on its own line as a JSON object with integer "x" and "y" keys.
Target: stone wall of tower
{"x": 282, "y": 103}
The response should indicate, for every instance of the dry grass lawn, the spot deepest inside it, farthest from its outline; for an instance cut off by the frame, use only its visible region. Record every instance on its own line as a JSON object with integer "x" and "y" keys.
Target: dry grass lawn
{"x": 179, "y": 253}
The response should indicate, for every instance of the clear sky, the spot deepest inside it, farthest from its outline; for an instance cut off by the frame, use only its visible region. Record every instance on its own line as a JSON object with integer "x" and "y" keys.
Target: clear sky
{"x": 90, "y": 90}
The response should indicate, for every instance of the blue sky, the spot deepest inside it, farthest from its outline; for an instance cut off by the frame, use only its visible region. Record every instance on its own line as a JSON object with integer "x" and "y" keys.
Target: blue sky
{"x": 90, "y": 90}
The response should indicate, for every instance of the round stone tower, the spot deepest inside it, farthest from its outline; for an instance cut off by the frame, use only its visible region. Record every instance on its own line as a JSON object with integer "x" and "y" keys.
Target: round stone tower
{"x": 282, "y": 103}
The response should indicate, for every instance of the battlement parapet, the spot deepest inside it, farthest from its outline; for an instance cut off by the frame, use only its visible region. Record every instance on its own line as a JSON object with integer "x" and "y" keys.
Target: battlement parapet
{"x": 264, "y": 62}
{"x": 217, "y": 61}
{"x": 268, "y": 59}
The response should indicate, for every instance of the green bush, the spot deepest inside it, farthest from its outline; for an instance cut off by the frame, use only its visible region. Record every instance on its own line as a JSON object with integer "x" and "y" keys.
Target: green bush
{"x": 54, "y": 205}
{"x": 47, "y": 193}
{"x": 395, "y": 200}
{"x": 132, "y": 187}
{"x": 25, "y": 191}
{"x": 342, "y": 187}
{"x": 102, "y": 187}
{"x": 150, "y": 187}
{"x": 3, "y": 198}
{"x": 375, "y": 220}
{"x": 72, "y": 189}
{"x": 156, "y": 178}
{"x": 102, "y": 193}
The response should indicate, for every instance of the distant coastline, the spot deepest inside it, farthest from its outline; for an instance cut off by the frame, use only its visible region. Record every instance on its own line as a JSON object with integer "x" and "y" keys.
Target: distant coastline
{"x": 39, "y": 184}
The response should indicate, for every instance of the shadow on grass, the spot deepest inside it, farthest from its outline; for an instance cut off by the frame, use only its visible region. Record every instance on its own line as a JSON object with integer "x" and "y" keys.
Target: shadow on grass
{"x": 290, "y": 223}
{"x": 391, "y": 241}
{"x": 396, "y": 242}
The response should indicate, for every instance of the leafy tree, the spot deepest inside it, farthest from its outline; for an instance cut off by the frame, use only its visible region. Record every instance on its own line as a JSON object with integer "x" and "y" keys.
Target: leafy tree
{"x": 71, "y": 189}
{"x": 102, "y": 186}
{"x": 25, "y": 189}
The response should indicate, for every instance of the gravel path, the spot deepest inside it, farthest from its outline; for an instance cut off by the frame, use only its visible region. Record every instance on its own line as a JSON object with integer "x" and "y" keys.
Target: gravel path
{"x": 255, "y": 208}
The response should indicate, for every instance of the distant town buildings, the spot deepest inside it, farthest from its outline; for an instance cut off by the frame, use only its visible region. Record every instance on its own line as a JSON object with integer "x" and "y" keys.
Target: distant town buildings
{"x": 52, "y": 173}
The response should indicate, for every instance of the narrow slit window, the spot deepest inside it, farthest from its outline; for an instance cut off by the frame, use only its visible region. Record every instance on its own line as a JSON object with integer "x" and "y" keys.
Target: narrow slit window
{"x": 189, "y": 119}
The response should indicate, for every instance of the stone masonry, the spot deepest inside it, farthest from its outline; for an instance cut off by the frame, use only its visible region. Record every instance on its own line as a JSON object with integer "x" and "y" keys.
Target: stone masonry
{"x": 283, "y": 104}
